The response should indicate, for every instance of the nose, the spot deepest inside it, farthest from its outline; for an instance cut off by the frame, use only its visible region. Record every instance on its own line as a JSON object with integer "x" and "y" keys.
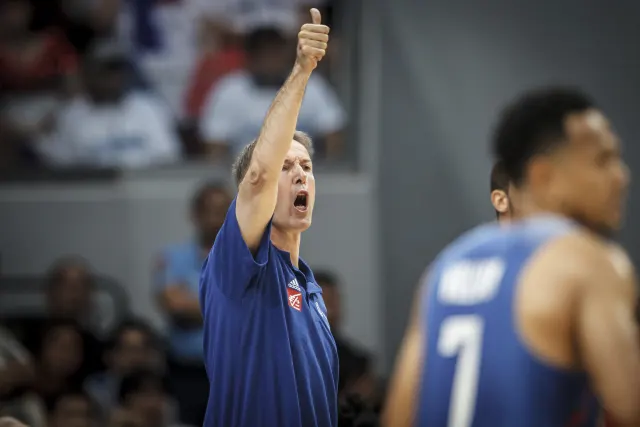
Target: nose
{"x": 299, "y": 175}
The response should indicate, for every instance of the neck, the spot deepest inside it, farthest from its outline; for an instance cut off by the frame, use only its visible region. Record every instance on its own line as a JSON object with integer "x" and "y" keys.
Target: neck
{"x": 287, "y": 241}
{"x": 528, "y": 207}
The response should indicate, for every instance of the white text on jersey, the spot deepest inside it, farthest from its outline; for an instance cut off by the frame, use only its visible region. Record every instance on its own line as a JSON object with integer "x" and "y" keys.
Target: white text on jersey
{"x": 471, "y": 282}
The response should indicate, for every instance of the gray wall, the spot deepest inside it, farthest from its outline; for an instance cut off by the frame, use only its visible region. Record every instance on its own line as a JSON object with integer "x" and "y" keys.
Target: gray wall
{"x": 119, "y": 226}
{"x": 447, "y": 67}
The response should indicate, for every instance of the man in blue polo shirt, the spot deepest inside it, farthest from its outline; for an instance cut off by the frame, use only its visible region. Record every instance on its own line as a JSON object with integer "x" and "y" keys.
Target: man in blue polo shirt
{"x": 269, "y": 352}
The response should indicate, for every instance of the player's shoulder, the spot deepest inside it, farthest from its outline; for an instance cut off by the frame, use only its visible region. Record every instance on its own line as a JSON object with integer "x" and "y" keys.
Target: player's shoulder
{"x": 492, "y": 237}
{"x": 231, "y": 217}
{"x": 620, "y": 261}
{"x": 584, "y": 258}
{"x": 473, "y": 238}
{"x": 581, "y": 250}
{"x": 230, "y": 233}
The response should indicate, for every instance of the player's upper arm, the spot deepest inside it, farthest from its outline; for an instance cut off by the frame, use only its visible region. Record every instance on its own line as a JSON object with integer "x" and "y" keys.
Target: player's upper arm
{"x": 256, "y": 203}
{"x": 400, "y": 406}
{"x": 607, "y": 335}
{"x": 258, "y": 192}
{"x": 222, "y": 116}
{"x": 232, "y": 264}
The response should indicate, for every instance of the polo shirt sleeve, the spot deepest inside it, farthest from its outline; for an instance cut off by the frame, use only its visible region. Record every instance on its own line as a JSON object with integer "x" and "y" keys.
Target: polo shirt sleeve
{"x": 231, "y": 266}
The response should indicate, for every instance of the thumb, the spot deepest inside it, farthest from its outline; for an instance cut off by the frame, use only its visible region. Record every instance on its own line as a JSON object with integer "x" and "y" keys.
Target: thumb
{"x": 316, "y": 18}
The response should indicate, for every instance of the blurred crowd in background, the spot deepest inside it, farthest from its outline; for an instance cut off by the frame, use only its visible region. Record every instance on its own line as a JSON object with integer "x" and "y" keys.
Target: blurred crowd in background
{"x": 140, "y": 83}
{"x": 69, "y": 367}
{"x": 133, "y": 84}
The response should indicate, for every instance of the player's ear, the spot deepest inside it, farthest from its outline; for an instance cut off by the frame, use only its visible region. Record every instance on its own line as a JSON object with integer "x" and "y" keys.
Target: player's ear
{"x": 500, "y": 201}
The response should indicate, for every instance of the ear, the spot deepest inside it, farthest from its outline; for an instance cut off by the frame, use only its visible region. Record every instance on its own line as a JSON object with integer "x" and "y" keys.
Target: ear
{"x": 500, "y": 201}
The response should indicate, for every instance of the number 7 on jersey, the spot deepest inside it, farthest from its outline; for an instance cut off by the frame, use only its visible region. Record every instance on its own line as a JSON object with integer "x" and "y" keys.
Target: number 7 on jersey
{"x": 461, "y": 336}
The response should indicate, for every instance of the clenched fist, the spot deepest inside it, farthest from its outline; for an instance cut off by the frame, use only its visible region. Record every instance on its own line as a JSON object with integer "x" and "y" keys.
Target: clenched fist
{"x": 312, "y": 42}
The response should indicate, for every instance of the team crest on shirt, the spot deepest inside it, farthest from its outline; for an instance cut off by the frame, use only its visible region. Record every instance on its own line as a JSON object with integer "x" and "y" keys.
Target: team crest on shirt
{"x": 295, "y": 299}
{"x": 294, "y": 295}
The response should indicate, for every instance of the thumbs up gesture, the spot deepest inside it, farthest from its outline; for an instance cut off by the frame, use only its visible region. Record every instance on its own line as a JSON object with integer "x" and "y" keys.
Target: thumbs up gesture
{"x": 312, "y": 42}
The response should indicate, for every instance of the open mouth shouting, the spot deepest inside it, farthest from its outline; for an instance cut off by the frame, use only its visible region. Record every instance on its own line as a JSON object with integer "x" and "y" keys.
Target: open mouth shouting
{"x": 301, "y": 202}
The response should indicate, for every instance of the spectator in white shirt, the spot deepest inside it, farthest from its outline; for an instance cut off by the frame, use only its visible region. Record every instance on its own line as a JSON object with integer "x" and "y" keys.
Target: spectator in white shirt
{"x": 111, "y": 126}
{"x": 235, "y": 108}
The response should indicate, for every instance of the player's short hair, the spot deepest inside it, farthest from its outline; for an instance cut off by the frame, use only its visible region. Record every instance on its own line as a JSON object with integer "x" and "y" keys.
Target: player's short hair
{"x": 197, "y": 201}
{"x": 242, "y": 162}
{"x": 534, "y": 124}
{"x": 499, "y": 178}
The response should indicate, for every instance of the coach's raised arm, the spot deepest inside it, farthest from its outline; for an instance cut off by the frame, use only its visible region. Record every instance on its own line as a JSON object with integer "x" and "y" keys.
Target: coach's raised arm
{"x": 269, "y": 352}
{"x": 258, "y": 188}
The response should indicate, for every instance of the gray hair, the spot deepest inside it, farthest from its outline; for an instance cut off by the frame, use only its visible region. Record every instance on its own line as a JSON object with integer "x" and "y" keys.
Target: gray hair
{"x": 242, "y": 162}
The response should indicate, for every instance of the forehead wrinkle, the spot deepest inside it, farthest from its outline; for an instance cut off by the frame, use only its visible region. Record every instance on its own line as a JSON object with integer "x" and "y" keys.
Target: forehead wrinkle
{"x": 300, "y": 159}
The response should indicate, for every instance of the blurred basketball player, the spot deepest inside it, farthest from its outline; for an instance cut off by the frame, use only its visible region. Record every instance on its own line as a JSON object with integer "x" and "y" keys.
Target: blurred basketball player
{"x": 531, "y": 324}
{"x": 502, "y": 195}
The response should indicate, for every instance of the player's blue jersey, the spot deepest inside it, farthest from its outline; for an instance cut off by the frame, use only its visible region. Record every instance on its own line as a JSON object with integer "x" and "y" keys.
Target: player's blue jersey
{"x": 478, "y": 372}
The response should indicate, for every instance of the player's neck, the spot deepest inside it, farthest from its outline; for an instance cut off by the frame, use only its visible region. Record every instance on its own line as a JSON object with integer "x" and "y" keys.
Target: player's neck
{"x": 528, "y": 207}
{"x": 288, "y": 241}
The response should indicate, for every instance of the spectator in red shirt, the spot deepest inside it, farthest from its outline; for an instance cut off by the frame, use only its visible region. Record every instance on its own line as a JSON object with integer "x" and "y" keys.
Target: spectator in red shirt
{"x": 210, "y": 68}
